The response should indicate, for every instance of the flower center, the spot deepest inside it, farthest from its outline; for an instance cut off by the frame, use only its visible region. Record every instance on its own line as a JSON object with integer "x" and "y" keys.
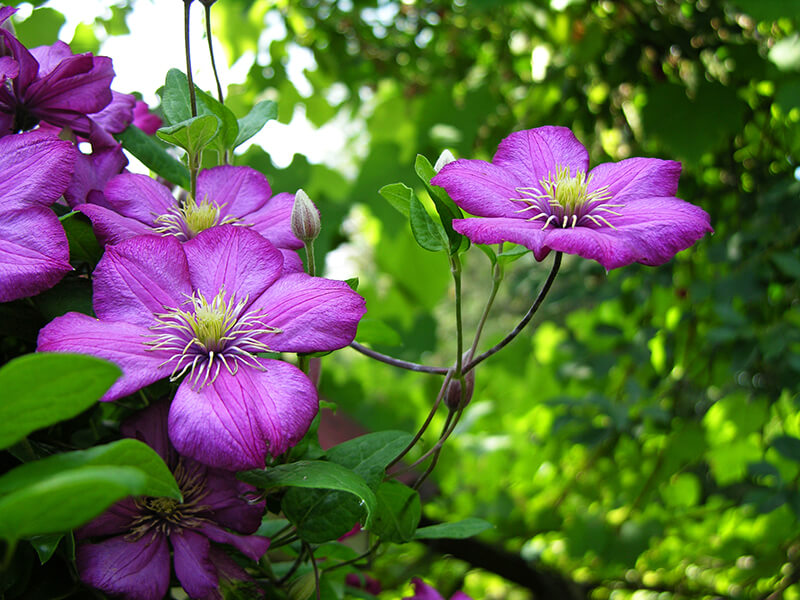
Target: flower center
{"x": 210, "y": 335}
{"x": 565, "y": 201}
{"x": 189, "y": 219}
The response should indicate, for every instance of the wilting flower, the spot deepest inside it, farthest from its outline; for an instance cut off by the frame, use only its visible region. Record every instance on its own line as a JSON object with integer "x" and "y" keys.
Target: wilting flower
{"x": 202, "y": 312}
{"x": 136, "y": 205}
{"x": 133, "y": 559}
{"x": 34, "y": 253}
{"x": 52, "y": 85}
{"x": 538, "y": 192}
{"x": 423, "y": 591}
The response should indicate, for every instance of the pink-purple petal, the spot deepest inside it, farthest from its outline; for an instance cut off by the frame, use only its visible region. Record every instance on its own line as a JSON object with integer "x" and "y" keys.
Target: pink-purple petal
{"x": 232, "y": 501}
{"x": 239, "y": 190}
{"x": 636, "y": 178}
{"x": 93, "y": 172}
{"x": 78, "y": 85}
{"x": 234, "y": 422}
{"x": 274, "y": 221}
{"x": 34, "y": 253}
{"x": 252, "y": 546}
{"x": 292, "y": 263}
{"x": 313, "y": 314}
{"x": 115, "y": 520}
{"x": 139, "y": 278}
{"x": 138, "y": 197}
{"x": 494, "y": 231}
{"x": 481, "y": 188}
{"x": 233, "y": 259}
{"x": 110, "y": 227}
{"x": 144, "y": 119}
{"x": 117, "y": 114}
{"x": 150, "y": 426}
{"x": 535, "y": 154}
{"x": 35, "y": 169}
{"x": 193, "y": 566}
{"x": 121, "y": 343}
{"x": 139, "y": 570}
{"x": 422, "y": 591}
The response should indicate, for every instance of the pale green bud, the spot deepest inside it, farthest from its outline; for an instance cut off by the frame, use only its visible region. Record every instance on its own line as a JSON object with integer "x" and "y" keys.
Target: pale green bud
{"x": 305, "y": 218}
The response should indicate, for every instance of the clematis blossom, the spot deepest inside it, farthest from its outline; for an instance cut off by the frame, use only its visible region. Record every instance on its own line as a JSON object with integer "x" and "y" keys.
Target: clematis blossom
{"x": 34, "y": 254}
{"x": 422, "y": 591}
{"x": 126, "y": 550}
{"x": 201, "y": 312}
{"x": 538, "y": 191}
{"x": 134, "y": 204}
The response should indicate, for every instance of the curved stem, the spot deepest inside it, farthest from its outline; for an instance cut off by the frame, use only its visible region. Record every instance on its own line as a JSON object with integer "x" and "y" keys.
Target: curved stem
{"x": 497, "y": 278}
{"x": 353, "y": 560}
{"x": 192, "y": 99}
{"x": 396, "y": 362}
{"x": 525, "y": 320}
{"x": 310, "y": 553}
{"x": 211, "y": 53}
{"x": 455, "y": 269}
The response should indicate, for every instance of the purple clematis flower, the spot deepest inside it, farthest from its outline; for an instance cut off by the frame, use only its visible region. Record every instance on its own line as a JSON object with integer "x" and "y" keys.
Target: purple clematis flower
{"x": 538, "y": 192}
{"x": 144, "y": 119}
{"x": 423, "y": 591}
{"x": 54, "y": 86}
{"x": 133, "y": 558}
{"x": 202, "y": 312}
{"x": 34, "y": 253}
{"x": 137, "y": 205}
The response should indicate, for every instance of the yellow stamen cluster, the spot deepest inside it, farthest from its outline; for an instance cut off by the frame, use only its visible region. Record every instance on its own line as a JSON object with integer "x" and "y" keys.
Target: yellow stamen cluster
{"x": 189, "y": 219}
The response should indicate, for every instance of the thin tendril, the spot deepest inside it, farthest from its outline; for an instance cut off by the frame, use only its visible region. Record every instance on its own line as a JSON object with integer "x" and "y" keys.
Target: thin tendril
{"x": 211, "y": 53}
{"x": 396, "y": 362}
{"x": 186, "y": 5}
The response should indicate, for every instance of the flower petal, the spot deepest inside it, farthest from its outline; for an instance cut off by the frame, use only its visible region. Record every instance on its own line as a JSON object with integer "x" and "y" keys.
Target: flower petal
{"x": 150, "y": 426}
{"x": 234, "y": 259}
{"x": 139, "y": 278}
{"x": 252, "y": 546}
{"x": 138, "y": 570}
{"x": 494, "y": 231}
{"x": 241, "y": 190}
{"x": 110, "y": 227}
{"x": 231, "y": 501}
{"x": 139, "y": 197}
{"x": 481, "y": 188}
{"x": 422, "y": 591}
{"x": 115, "y": 520}
{"x": 35, "y": 169}
{"x": 534, "y": 154}
{"x": 194, "y": 568}
{"x": 292, "y": 263}
{"x": 313, "y": 314}
{"x": 34, "y": 253}
{"x": 144, "y": 119}
{"x": 117, "y": 114}
{"x": 121, "y": 343}
{"x": 274, "y": 221}
{"x": 233, "y": 422}
{"x": 93, "y": 172}
{"x": 636, "y": 178}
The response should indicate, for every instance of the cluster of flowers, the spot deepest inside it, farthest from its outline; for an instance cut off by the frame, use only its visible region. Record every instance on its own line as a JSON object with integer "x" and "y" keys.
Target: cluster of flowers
{"x": 190, "y": 289}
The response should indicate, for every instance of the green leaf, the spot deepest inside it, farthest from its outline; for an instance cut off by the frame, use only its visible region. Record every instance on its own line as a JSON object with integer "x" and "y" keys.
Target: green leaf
{"x": 83, "y": 246}
{"x": 45, "y": 545}
{"x": 229, "y": 127}
{"x": 41, "y": 28}
{"x": 192, "y": 135}
{"x": 42, "y": 389}
{"x": 175, "y": 101}
{"x": 66, "y": 500}
{"x": 788, "y": 446}
{"x": 122, "y": 453}
{"x": 514, "y": 253}
{"x": 488, "y": 251}
{"x": 447, "y": 209}
{"x": 352, "y": 283}
{"x": 153, "y": 155}
{"x": 455, "y": 531}
{"x": 314, "y": 474}
{"x": 399, "y": 511}
{"x": 398, "y": 195}
{"x": 427, "y": 232}
{"x": 254, "y": 121}
{"x": 321, "y": 515}
{"x": 372, "y": 331}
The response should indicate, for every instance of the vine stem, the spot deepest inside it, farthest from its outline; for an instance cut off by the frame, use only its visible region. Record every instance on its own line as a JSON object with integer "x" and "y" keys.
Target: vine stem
{"x": 525, "y": 320}
{"x": 396, "y": 362}
{"x": 211, "y": 53}
{"x": 497, "y": 278}
{"x": 310, "y": 553}
{"x": 192, "y": 99}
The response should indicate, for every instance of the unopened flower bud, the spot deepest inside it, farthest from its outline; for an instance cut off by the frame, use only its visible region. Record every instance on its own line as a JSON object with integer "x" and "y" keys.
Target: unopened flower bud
{"x": 454, "y": 398}
{"x": 305, "y": 218}
{"x": 445, "y": 158}
{"x": 301, "y": 588}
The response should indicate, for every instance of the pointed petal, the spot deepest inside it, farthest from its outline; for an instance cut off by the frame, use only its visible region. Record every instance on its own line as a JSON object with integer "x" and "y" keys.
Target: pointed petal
{"x": 139, "y": 197}
{"x": 636, "y": 178}
{"x": 114, "y": 521}
{"x": 110, "y": 227}
{"x": 252, "y": 546}
{"x": 93, "y": 172}
{"x": 49, "y": 57}
{"x": 9, "y": 68}
{"x": 117, "y": 114}
{"x": 144, "y": 119}
{"x": 140, "y": 278}
{"x": 481, "y": 188}
{"x": 230, "y": 500}
{"x": 534, "y": 154}
{"x": 121, "y": 343}
{"x": 34, "y": 169}
{"x": 494, "y": 231}
{"x": 28, "y": 67}
{"x": 137, "y": 570}
{"x": 78, "y": 84}
{"x": 234, "y": 259}
{"x": 34, "y": 253}
{"x": 233, "y": 422}
{"x": 150, "y": 426}
{"x": 314, "y": 314}
{"x": 194, "y": 568}
{"x": 242, "y": 190}
{"x": 274, "y": 221}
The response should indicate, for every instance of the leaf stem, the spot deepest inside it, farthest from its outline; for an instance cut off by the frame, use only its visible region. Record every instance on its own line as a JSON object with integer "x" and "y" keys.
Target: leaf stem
{"x": 525, "y": 320}
{"x": 310, "y": 259}
{"x": 396, "y": 362}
